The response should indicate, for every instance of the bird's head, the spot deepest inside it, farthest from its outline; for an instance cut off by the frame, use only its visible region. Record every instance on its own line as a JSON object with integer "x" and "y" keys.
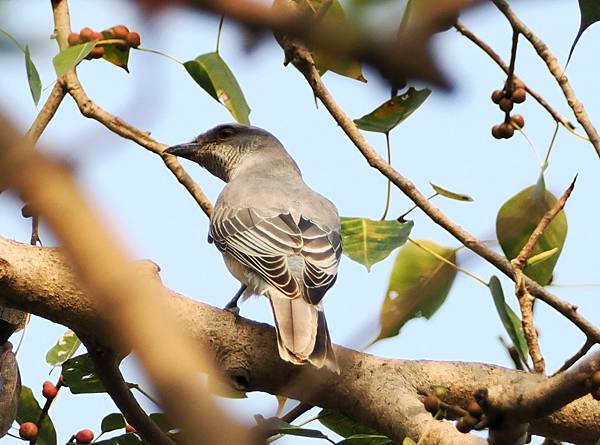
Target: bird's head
{"x": 223, "y": 148}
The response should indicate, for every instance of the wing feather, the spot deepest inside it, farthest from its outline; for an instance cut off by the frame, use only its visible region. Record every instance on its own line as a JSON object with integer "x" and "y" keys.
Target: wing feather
{"x": 266, "y": 244}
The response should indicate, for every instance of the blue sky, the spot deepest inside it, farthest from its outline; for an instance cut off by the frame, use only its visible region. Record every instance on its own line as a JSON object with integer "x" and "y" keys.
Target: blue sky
{"x": 447, "y": 142}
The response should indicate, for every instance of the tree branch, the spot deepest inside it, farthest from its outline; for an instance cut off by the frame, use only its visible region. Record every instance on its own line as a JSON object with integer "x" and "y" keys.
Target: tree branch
{"x": 381, "y": 393}
{"x": 115, "y": 124}
{"x": 461, "y": 28}
{"x": 554, "y": 67}
{"x": 105, "y": 364}
{"x": 303, "y": 60}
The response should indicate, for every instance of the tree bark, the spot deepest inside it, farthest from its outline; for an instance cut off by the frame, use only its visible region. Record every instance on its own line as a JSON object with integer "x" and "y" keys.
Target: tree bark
{"x": 382, "y": 393}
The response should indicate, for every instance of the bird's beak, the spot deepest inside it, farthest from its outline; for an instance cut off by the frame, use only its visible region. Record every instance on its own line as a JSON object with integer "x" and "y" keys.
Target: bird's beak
{"x": 187, "y": 150}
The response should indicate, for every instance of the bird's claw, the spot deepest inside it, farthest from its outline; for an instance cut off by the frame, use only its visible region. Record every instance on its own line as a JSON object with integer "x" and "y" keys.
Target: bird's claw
{"x": 234, "y": 309}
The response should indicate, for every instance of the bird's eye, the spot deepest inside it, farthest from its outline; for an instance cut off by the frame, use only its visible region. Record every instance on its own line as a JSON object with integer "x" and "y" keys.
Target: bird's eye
{"x": 226, "y": 132}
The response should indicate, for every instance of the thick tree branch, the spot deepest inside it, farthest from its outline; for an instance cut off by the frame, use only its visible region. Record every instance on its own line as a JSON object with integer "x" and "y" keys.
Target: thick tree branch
{"x": 555, "y": 69}
{"x": 381, "y": 393}
{"x": 303, "y": 60}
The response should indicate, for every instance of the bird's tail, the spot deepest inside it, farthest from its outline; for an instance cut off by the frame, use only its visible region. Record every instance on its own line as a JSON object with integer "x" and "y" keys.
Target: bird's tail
{"x": 302, "y": 334}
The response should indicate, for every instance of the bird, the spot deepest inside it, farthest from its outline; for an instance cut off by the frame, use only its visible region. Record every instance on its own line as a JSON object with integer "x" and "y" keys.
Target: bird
{"x": 278, "y": 237}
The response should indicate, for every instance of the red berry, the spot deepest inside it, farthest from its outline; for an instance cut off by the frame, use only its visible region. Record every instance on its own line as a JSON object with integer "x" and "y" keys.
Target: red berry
{"x": 97, "y": 52}
{"x": 432, "y": 404}
{"x": 518, "y": 121}
{"x": 466, "y": 423}
{"x": 474, "y": 409}
{"x": 595, "y": 379}
{"x": 497, "y": 132}
{"x": 97, "y": 36}
{"x": 73, "y": 39}
{"x": 506, "y": 104}
{"x": 120, "y": 32}
{"x": 497, "y": 96}
{"x": 86, "y": 34}
{"x": 28, "y": 431}
{"x": 84, "y": 436}
{"x": 49, "y": 390}
{"x": 519, "y": 95}
{"x": 133, "y": 39}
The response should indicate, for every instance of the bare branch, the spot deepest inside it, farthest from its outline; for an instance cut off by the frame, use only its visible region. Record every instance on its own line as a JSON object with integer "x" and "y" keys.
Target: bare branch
{"x": 521, "y": 291}
{"x": 105, "y": 364}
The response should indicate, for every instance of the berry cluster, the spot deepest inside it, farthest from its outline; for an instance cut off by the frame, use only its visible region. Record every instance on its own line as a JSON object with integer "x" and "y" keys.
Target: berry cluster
{"x": 120, "y": 32}
{"x": 506, "y": 98}
{"x": 595, "y": 384}
{"x": 467, "y": 420}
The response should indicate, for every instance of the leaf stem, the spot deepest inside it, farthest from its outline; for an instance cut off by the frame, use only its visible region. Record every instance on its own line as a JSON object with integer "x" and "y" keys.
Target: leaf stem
{"x": 219, "y": 33}
{"x": 448, "y": 262}
{"x": 389, "y": 182}
{"x": 401, "y": 217}
{"x": 153, "y": 51}
{"x": 552, "y": 141}
{"x": 12, "y": 39}
{"x": 141, "y": 390}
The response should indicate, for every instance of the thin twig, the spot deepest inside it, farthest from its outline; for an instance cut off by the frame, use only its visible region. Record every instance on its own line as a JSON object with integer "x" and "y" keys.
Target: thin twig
{"x": 523, "y": 296}
{"x": 105, "y": 364}
{"x": 525, "y": 252}
{"x": 461, "y": 28}
{"x": 305, "y": 64}
{"x": 555, "y": 69}
{"x": 296, "y": 412}
{"x": 573, "y": 359}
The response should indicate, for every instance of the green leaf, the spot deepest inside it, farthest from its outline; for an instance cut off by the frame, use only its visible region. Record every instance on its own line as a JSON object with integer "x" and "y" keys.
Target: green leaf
{"x": 116, "y": 54}
{"x": 392, "y": 112}
{"x": 112, "y": 422}
{"x": 162, "y": 421}
{"x": 33, "y": 77}
{"x": 65, "y": 348}
{"x": 212, "y": 73}
{"x": 590, "y": 14}
{"x": 334, "y": 16}
{"x": 274, "y": 425}
{"x": 511, "y": 322}
{"x": 29, "y": 411}
{"x": 366, "y": 439}
{"x": 124, "y": 439}
{"x": 342, "y": 425}
{"x": 541, "y": 256}
{"x": 518, "y": 218}
{"x": 418, "y": 286}
{"x": 80, "y": 376}
{"x": 70, "y": 57}
{"x": 368, "y": 242}
{"x": 451, "y": 195}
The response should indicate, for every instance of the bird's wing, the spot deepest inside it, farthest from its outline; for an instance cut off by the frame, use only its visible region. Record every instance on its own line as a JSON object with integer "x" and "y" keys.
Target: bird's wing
{"x": 264, "y": 243}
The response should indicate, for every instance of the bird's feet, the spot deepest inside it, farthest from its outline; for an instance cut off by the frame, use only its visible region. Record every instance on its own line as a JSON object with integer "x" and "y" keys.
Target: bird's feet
{"x": 233, "y": 308}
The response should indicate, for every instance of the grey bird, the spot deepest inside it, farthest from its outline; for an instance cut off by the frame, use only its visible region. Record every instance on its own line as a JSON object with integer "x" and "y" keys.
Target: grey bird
{"x": 278, "y": 237}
